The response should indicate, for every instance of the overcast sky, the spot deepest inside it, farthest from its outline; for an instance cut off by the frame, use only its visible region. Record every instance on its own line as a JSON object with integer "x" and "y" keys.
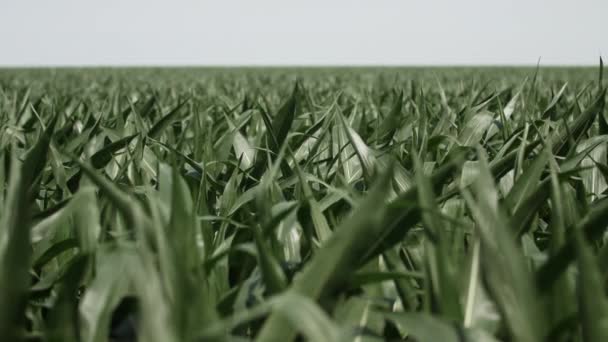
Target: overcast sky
{"x": 304, "y": 32}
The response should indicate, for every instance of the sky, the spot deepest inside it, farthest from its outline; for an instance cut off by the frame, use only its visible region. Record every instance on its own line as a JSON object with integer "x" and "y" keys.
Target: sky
{"x": 304, "y": 32}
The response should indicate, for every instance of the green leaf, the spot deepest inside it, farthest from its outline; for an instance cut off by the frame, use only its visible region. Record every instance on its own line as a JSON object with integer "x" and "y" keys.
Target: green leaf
{"x": 503, "y": 265}
{"x": 593, "y": 305}
{"x": 592, "y": 225}
{"x": 475, "y": 128}
{"x": 15, "y": 251}
{"x": 335, "y": 259}
{"x": 443, "y": 273}
{"x": 64, "y": 319}
{"x": 102, "y": 157}
{"x": 562, "y": 304}
{"x": 526, "y": 183}
{"x": 424, "y": 327}
{"x": 390, "y": 124}
{"x": 162, "y": 123}
{"x": 104, "y": 293}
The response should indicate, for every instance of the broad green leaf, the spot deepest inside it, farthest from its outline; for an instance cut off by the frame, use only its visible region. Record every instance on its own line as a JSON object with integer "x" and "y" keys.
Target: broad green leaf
{"x": 475, "y": 128}
{"x": 15, "y": 253}
{"x": 442, "y": 271}
{"x": 593, "y": 305}
{"x": 165, "y": 121}
{"x": 335, "y": 259}
{"x": 424, "y": 327}
{"x": 503, "y": 265}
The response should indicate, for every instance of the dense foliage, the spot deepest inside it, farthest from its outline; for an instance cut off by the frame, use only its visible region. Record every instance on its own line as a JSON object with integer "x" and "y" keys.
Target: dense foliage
{"x": 312, "y": 204}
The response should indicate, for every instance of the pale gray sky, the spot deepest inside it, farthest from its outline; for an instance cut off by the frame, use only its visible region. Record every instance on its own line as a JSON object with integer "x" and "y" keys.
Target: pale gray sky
{"x": 305, "y": 32}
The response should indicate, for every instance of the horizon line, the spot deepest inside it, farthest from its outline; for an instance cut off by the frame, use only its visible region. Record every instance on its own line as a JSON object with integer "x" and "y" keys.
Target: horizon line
{"x": 286, "y": 66}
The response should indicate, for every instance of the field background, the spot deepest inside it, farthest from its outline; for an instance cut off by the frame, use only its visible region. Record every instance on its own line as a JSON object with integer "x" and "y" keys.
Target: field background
{"x": 320, "y": 204}
{"x": 378, "y": 76}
